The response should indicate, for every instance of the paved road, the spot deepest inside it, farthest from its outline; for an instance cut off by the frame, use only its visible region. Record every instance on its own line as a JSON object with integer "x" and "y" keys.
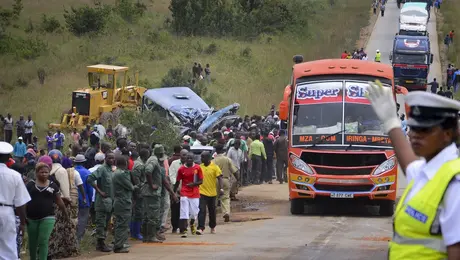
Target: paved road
{"x": 333, "y": 232}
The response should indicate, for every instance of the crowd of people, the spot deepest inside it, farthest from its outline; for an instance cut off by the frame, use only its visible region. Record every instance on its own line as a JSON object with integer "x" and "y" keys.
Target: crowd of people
{"x": 132, "y": 188}
{"x": 356, "y": 55}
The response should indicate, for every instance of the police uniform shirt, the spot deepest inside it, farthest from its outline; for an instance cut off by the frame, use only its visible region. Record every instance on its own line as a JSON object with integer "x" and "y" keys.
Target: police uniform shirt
{"x": 421, "y": 172}
{"x": 13, "y": 192}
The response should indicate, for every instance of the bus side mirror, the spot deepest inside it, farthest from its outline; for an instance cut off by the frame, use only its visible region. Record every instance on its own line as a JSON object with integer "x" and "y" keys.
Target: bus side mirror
{"x": 284, "y": 110}
{"x": 431, "y": 58}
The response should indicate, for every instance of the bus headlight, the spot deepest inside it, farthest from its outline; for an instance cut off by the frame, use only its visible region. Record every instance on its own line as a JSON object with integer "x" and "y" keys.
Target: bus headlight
{"x": 385, "y": 166}
{"x": 300, "y": 165}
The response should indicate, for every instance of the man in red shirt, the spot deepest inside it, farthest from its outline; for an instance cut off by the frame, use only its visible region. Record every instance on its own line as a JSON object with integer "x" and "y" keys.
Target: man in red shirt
{"x": 344, "y": 55}
{"x": 191, "y": 176}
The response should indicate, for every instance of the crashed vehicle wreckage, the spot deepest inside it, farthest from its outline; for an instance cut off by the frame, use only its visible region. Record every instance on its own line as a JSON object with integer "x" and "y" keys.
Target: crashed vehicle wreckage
{"x": 186, "y": 109}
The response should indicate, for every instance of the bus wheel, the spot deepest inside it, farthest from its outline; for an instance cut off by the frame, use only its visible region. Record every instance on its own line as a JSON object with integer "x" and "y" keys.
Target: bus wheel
{"x": 387, "y": 208}
{"x": 297, "y": 206}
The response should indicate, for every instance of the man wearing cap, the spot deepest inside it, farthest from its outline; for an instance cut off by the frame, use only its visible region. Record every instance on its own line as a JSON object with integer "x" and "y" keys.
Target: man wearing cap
{"x": 426, "y": 223}
{"x": 84, "y": 199}
{"x": 13, "y": 195}
{"x": 104, "y": 199}
{"x": 20, "y": 149}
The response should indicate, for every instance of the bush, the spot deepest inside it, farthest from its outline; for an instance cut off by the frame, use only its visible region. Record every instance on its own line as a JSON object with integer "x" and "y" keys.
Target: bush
{"x": 148, "y": 127}
{"x": 50, "y": 25}
{"x": 84, "y": 20}
{"x": 177, "y": 76}
{"x": 30, "y": 27}
{"x": 246, "y": 52}
{"x": 145, "y": 83}
{"x": 29, "y": 48}
{"x": 130, "y": 11}
{"x": 211, "y": 49}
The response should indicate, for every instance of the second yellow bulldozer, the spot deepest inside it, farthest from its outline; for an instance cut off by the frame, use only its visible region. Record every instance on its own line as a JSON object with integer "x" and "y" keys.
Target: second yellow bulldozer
{"x": 105, "y": 98}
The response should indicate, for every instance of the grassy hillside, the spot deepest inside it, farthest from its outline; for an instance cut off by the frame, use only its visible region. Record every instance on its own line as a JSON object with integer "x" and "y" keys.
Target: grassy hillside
{"x": 251, "y": 71}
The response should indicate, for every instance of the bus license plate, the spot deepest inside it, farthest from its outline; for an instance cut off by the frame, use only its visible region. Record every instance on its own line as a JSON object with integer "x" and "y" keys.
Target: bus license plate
{"x": 409, "y": 81}
{"x": 341, "y": 195}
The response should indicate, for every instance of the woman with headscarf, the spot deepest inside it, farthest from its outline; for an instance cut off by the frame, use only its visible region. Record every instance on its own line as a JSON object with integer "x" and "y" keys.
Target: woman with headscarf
{"x": 63, "y": 241}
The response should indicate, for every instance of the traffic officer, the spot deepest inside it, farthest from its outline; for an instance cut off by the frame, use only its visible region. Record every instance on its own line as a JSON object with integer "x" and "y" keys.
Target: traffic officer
{"x": 122, "y": 203}
{"x": 104, "y": 199}
{"x": 13, "y": 195}
{"x": 426, "y": 223}
{"x": 378, "y": 56}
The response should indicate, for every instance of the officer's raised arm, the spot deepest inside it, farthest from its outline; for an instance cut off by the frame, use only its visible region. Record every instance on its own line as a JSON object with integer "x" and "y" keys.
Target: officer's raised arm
{"x": 382, "y": 100}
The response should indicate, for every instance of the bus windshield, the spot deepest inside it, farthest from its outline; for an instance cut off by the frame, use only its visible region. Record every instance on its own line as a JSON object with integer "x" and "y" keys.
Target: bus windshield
{"x": 320, "y": 109}
{"x": 410, "y": 58}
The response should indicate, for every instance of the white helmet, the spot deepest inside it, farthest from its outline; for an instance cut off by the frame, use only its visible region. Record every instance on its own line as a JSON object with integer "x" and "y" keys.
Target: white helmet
{"x": 378, "y": 50}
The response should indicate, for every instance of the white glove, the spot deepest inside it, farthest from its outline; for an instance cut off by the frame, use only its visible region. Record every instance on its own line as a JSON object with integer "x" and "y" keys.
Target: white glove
{"x": 384, "y": 105}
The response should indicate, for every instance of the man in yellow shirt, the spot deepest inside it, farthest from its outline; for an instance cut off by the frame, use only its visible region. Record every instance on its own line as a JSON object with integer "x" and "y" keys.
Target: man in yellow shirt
{"x": 208, "y": 192}
{"x": 257, "y": 154}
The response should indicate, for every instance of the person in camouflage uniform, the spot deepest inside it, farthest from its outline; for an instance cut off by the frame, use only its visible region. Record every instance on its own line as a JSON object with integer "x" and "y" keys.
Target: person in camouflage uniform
{"x": 104, "y": 199}
{"x": 138, "y": 175}
{"x": 123, "y": 190}
{"x": 159, "y": 153}
{"x": 151, "y": 193}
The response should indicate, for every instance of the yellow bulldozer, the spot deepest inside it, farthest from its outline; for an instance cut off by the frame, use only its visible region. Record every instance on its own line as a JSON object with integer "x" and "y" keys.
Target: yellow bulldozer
{"x": 105, "y": 98}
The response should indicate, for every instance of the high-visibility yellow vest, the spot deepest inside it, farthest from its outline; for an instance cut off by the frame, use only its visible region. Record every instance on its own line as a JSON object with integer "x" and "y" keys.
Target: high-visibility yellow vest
{"x": 417, "y": 231}
{"x": 377, "y": 56}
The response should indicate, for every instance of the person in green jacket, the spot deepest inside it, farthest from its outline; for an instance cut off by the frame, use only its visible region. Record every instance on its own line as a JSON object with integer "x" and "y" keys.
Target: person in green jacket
{"x": 138, "y": 175}
{"x": 151, "y": 193}
{"x": 122, "y": 203}
{"x": 104, "y": 199}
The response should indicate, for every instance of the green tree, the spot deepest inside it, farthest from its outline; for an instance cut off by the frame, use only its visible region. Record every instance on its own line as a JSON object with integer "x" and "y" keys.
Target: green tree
{"x": 177, "y": 76}
{"x": 87, "y": 19}
{"x": 129, "y": 10}
{"x": 149, "y": 127}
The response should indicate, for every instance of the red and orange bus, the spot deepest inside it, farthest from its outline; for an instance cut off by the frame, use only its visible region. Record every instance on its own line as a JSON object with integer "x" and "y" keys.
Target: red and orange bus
{"x": 337, "y": 147}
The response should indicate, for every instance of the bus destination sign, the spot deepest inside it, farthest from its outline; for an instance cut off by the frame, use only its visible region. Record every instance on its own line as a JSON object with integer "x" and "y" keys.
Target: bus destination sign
{"x": 316, "y": 138}
{"x": 376, "y": 140}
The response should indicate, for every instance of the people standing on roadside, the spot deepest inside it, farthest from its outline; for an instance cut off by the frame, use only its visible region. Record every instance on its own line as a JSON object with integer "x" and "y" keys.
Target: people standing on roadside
{"x": 59, "y": 139}
{"x": 267, "y": 175}
{"x": 28, "y": 125}
{"x": 378, "y": 56}
{"x": 441, "y": 92}
{"x": 236, "y": 154}
{"x": 208, "y": 192}
{"x": 451, "y": 36}
{"x": 21, "y": 127}
{"x": 173, "y": 170}
{"x": 382, "y": 8}
{"x": 138, "y": 176}
{"x": 13, "y": 198}
{"x": 122, "y": 204}
{"x": 375, "y": 5}
{"x": 449, "y": 73}
{"x": 344, "y": 55}
{"x": 281, "y": 151}
{"x": 426, "y": 223}
{"x": 20, "y": 149}
{"x": 229, "y": 170}
{"x": 8, "y": 128}
{"x": 151, "y": 193}
{"x": 434, "y": 86}
{"x": 190, "y": 176}
{"x": 84, "y": 200}
{"x": 195, "y": 70}
{"x": 256, "y": 155}
{"x": 41, "y": 218}
{"x": 104, "y": 199}
{"x": 448, "y": 93}
{"x": 207, "y": 72}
